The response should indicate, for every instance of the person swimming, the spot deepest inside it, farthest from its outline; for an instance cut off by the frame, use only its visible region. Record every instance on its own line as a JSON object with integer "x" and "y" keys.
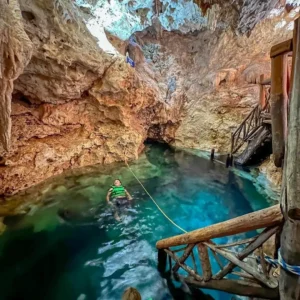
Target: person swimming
{"x": 117, "y": 196}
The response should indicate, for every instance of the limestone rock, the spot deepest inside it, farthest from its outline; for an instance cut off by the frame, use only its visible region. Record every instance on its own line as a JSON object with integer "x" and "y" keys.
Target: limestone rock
{"x": 217, "y": 73}
{"x": 273, "y": 174}
{"x": 66, "y": 59}
{"x": 15, "y": 53}
{"x": 75, "y": 105}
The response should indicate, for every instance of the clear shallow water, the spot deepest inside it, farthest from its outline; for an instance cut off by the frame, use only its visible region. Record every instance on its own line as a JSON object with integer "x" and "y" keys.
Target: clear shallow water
{"x": 94, "y": 256}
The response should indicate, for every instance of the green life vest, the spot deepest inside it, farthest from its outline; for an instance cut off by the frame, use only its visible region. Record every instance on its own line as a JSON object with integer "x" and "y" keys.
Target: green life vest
{"x": 118, "y": 191}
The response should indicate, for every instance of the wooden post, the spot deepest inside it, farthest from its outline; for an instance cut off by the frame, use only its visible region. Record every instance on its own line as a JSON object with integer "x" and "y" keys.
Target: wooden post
{"x": 288, "y": 82}
{"x": 263, "y": 262}
{"x": 205, "y": 263}
{"x": 289, "y": 284}
{"x": 162, "y": 261}
{"x": 227, "y": 161}
{"x": 212, "y": 154}
{"x": 278, "y": 106}
{"x": 262, "y": 94}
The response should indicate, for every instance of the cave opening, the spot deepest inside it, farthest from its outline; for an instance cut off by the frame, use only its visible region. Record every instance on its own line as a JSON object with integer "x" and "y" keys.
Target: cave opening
{"x": 22, "y": 99}
{"x": 159, "y": 143}
{"x": 25, "y": 100}
{"x": 28, "y": 16}
{"x": 222, "y": 82}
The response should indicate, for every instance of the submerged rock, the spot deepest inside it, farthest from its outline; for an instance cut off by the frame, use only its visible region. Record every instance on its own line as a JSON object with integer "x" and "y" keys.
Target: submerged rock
{"x": 74, "y": 216}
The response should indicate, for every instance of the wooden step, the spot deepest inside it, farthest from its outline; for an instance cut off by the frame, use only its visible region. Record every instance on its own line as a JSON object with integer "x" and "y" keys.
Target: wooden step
{"x": 267, "y": 122}
{"x": 257, "y": 139}
{"x": 266, "y": 115}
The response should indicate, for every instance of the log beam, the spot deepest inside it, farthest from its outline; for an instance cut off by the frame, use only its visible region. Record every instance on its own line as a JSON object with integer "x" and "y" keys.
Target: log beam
{"x": 262, "y": 93}
{"x": 239, "y": 242}
{"x": 259, "y": 219}
{"x": 238, "y": 287}
{"x": 279, "y": 99}
{"x": 186, "y": 268}
{"x": 184, "y": 257}
{"x": 289, "y": 284}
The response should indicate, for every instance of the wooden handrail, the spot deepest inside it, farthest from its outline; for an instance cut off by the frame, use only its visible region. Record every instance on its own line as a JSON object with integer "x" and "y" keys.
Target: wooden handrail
{"x": 248, "y": 277}
{"x": 245, "y": 129}
{"x": 266, "y": 82}
{"x": 250, "y": 125}
{"x": 282, "y": 48}
{"x": 260, "y": 219}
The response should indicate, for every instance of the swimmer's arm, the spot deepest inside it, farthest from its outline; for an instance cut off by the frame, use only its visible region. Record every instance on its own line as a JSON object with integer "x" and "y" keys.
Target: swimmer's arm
{"x": 108, "y": 196}
{"x": 128, "y": 195}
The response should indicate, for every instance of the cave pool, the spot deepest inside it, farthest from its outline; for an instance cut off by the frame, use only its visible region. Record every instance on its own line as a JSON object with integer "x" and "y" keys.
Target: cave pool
{"x": 95, "y": 257}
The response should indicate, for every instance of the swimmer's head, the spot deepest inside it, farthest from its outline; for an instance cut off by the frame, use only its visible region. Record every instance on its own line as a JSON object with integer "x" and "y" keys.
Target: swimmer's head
{"x": 131, "y": 294}
{"x": 117, "y": 182}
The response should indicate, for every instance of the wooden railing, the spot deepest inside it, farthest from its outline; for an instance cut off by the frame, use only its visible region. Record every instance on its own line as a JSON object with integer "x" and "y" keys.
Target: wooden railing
{"x": 252, "y": 123}
{"x": 251, "y": 278}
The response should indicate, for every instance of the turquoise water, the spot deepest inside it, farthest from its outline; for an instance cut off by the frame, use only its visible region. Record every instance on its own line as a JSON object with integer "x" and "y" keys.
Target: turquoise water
{"x": 92, "y": 256}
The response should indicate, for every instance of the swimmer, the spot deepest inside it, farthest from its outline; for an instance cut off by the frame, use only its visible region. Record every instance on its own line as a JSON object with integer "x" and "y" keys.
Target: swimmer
{"x": 117, "y": 196}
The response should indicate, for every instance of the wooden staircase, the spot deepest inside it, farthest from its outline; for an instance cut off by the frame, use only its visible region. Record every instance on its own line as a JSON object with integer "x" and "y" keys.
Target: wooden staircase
{"x": 255, "y": 130}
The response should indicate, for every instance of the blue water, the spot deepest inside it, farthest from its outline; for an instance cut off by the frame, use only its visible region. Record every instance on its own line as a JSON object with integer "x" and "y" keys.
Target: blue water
{"x": 93, "y": 256}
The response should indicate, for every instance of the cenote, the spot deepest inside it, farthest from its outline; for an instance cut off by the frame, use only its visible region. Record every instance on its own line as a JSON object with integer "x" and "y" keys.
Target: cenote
{"x": 93, "y": 256}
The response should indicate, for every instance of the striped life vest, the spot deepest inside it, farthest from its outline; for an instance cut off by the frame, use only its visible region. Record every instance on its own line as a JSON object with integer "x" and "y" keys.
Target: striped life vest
{"x": 118, "y": 191}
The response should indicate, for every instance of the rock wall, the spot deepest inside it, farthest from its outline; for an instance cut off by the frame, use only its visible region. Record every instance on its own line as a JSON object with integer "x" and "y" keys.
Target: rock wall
{"x": 75, "y": 105}
{"x": 217, "y": 71}
{"x": 15, "y": 53}
{"x": 272, "y": 173}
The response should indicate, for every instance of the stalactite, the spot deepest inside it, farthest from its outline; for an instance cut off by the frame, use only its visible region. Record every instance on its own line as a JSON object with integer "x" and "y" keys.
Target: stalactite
{"x": 15, "y": 53}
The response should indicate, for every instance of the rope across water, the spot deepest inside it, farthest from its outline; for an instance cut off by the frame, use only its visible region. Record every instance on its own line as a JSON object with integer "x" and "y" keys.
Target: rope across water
{"x": 159, "y": 208}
